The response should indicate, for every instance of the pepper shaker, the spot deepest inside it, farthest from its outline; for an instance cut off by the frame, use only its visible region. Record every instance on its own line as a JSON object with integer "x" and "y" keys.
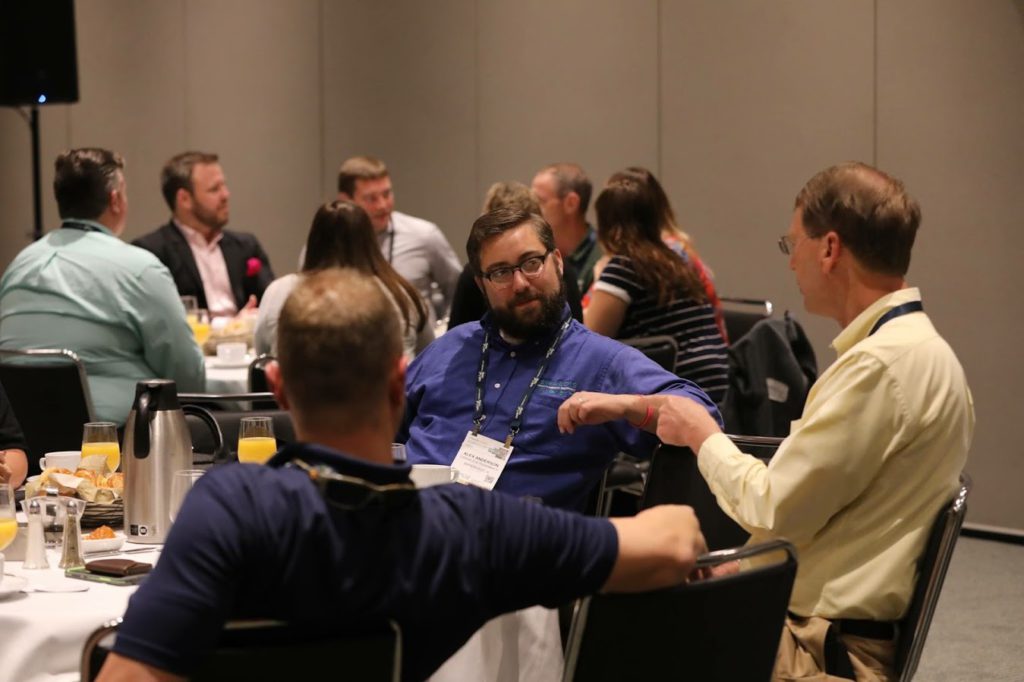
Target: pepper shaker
{"x": 35, "y": 552}
{"x": 72, "y": 556}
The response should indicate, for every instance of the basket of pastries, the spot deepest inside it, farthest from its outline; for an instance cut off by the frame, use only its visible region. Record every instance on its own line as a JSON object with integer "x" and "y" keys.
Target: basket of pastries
{"x": 102, "y": 490}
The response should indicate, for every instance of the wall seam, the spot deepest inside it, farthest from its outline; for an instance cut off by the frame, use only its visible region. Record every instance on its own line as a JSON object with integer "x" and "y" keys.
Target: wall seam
{"x": 476, "y": 99}
{"x": 874, "y": 87}
{"x": 321, "y": 46}
{"x": 658, "y": 90}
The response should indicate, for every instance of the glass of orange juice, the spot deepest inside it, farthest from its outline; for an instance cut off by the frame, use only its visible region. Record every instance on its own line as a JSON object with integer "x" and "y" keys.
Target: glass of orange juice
{"x": 100, "y": 438}
{"x": 199, "y": 321}
{"x": 8, "y": 521}
{"x": 256, "y": 442}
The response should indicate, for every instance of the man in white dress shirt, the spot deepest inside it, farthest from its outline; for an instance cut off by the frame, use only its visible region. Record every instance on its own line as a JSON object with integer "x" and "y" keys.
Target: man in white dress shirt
{"x": 416, "y": 248}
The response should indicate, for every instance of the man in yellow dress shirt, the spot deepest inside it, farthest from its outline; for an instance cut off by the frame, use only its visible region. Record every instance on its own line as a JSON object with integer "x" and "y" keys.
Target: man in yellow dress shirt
{"x": 881, "y": 442}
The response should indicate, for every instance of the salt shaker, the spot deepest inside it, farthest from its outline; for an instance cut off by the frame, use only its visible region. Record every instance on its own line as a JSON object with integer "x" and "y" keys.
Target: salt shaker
{"x": 35, "y": 552}
{"x": 72, "y": 556}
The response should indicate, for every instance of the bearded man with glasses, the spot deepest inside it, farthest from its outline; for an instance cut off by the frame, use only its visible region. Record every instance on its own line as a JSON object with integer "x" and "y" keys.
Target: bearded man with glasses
{"x": 529, "y": 401}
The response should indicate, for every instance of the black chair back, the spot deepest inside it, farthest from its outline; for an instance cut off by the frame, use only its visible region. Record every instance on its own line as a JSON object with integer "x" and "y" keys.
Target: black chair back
{"x": 270, "y": 651}
{"x": 258, "y": 381}
{"x": 741, "y": 314}
{"x": 662, "y": 349}
{"x": 49, "y": 394}
{"x": 203, "y": 446}
{"x": 725, "y": 628}
{"x": 931, "y": 574}
{"x": 674, "y": 478}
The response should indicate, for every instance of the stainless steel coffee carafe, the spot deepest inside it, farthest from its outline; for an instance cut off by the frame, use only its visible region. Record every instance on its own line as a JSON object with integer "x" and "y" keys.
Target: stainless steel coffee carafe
{"x": 157, "y": 442}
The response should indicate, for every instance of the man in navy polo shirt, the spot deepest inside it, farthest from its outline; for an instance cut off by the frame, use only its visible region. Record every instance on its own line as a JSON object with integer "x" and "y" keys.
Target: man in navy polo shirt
{"x": 264, "y": 541}
{"x": 527, "y": 400}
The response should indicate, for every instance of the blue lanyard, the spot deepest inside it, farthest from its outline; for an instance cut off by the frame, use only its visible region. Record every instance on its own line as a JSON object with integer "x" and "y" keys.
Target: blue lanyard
{"x": 517, "y": 419}
{"x": 898, "y": 311}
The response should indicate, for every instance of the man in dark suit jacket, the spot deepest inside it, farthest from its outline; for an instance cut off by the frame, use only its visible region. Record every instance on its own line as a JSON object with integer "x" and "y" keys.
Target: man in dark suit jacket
{"x": 226, "y": 271}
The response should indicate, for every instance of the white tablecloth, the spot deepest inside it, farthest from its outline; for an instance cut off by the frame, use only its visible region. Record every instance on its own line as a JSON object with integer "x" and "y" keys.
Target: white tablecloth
{"x": 42, "y": 634}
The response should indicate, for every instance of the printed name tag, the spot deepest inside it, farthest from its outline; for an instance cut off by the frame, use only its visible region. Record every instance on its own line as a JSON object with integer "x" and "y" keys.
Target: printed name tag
{"x": 480, "y": 461}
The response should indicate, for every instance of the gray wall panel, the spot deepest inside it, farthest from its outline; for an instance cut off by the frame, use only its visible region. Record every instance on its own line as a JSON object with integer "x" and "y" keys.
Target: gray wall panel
{"x": 756, "y": 98}
{"x": 567, "y": 81}
{"x": 399, "y": 84}
{"x": 950, "y": 109}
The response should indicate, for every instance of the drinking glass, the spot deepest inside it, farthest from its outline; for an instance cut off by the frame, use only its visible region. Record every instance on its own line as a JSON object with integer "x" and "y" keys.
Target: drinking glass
{"x": 256, "y": 442}
{"x": 8, "y": 521}
{"x": 199, "y": 321}
{"x": 191, "y": 305}
{"x": 398, "y": 453}
{"x": 100, "y": 438}
{"x": 181, "y": 483}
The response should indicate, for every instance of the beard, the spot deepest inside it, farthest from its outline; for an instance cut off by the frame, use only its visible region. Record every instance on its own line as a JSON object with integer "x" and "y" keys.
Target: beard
{"x": 530, "y": 325}
{"x": 209, "y": 217}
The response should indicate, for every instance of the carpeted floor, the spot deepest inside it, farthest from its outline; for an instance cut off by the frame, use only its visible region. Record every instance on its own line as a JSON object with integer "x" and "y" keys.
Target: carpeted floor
{"x": 977, "y": 634}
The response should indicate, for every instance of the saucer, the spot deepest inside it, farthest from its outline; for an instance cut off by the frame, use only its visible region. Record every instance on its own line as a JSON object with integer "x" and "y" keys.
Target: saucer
{"x": 12, "y": 584}
{"x": 220, "y": 363}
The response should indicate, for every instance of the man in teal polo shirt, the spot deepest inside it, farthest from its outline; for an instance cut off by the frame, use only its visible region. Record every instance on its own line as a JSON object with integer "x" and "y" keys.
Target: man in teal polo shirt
{"x": 82, "y": 288}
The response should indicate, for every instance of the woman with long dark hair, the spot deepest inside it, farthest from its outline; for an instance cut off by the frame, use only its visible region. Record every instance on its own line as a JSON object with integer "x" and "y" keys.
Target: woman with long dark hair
{"x": 646, "y": 288}
{"x": 342, "y": 237}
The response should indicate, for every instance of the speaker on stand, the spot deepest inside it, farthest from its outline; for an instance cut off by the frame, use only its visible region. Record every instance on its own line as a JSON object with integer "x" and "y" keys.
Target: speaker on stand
{"x": 38, "y": 65}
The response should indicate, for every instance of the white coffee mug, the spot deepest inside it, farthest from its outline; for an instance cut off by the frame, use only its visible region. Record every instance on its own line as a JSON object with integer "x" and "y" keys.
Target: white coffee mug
{"x": 66, "y": 459}
{"x": 231, "y": 352}
{"x": 426, "y": 475}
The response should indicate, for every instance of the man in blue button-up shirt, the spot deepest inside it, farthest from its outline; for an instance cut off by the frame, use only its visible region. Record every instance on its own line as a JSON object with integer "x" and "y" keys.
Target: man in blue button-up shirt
{"x": 594, "y": 398}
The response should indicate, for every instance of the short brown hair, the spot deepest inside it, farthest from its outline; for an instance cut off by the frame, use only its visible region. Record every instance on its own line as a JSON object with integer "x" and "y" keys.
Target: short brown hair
{"x": 338, "y": 340}
{"x": 83, "y": 180}
{"x": 870, "y": 211}
{"x": 359, "y": 168}
{"x": 177, "y": 173}
{"x": 499, "y": 221}
{"x": 510, "y": 195}
{"x": 570, "y": 177}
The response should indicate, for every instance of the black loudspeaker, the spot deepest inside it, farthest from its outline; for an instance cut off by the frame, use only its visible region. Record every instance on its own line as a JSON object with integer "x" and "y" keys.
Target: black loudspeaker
{"x": 38, "y": 61}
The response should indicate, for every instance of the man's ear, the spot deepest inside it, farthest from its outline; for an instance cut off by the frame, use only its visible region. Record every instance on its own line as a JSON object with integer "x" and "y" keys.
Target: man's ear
{"x": 558, "y": 261}
{"x": 182, "y": 199}
{"x": 480, "y": 285}
{"x": 831, "y": 248}
{"x": 396, "y": 385}
{"x": 571, "y": 201}
{"x": 276, "y": 383}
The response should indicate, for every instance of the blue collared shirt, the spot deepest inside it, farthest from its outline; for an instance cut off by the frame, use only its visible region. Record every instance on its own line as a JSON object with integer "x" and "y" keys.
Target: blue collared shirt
{"x": 559, "y": 468}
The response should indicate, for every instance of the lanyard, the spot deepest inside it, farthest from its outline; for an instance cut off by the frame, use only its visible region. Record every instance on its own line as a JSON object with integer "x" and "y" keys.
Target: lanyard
{"x": 898, "y": 311}
{"x": 84, "y": 227}
{"x": 391, "y": 243}
{"x": 517, "y": 419}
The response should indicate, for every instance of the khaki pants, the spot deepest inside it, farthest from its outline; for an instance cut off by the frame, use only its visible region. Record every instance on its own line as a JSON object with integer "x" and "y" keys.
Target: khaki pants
{"x": 802, "y": 654}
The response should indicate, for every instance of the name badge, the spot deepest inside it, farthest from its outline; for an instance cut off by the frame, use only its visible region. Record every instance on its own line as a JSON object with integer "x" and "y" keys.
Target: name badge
{"x": 480, "y": 461}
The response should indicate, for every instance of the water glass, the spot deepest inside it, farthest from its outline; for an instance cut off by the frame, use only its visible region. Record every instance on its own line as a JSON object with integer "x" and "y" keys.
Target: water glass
{"x": 181, "y": 484}
{"x": 8, "y": 521}
{"x": 398, "y": 455}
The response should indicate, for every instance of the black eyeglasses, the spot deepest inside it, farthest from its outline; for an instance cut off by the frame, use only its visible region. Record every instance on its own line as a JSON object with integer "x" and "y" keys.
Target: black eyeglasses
{"x": 530, "y": 267}
{"x": 786, "y": 244}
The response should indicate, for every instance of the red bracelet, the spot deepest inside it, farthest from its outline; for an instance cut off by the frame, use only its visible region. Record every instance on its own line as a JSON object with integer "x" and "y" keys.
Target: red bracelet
{"x": 646, "y": 420}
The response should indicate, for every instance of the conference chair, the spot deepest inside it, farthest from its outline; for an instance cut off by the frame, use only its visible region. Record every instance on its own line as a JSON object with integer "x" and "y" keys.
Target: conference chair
{"x": 258, "y": 381}
{"x": 49, "y": 393}
{"x": 932, "y": 567}
{"x": 741, "y": 314}
{"x": 674, "y": 478}
{"x": 271, "y": 651}
{"x": 724, "y": 628}
{"x": 660, "y": 348}
{"x": 229, "y": 420}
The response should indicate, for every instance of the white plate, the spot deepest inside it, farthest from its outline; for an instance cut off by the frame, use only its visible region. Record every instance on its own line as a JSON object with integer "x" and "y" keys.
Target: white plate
{"x": 218, "y": 363}
{"x": 108, "y": 545}
{"x": 12, "y": 584}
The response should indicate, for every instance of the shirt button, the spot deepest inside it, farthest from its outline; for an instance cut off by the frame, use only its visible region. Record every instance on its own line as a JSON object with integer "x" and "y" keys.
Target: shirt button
{"x": 497, "y": 385}
{"x": 512, "y": 354}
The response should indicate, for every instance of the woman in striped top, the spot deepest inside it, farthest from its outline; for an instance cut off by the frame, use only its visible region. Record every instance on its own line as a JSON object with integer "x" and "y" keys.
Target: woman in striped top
{"x": 646, "y": 288}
